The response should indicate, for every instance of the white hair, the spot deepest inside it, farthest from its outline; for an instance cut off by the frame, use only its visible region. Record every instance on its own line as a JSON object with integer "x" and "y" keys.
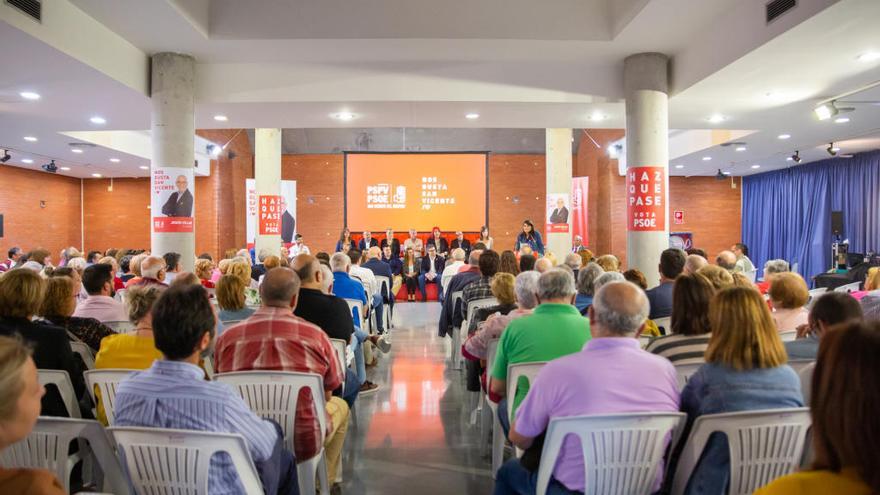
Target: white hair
{"x": 151, "y": 266}
{"x": 694, "y": 262}
{"x": 620, "y": 315}
{"x": 78, "y": 264}
{"x": 573, "y": 260}
{"x": 607, "y": 278}
{"x": 526, "y": 288}
{"x": 775, "y": 266}
{"x": 340, "y": 262}
{"x": 587, "y": 278}
{"x": 555, "y": 284}
{"x": 458, "y": 254}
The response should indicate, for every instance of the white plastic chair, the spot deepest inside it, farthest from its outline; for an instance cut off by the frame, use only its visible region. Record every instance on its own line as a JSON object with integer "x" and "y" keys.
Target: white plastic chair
{"x": 846, "y": 289}
{"x": 344, "y": 358}
{"x": 752, "y": 275}
{"x": 85, "y": 352}
{"x": 492, "y": 408}
{"x": 684, "y": 372}
{"x": 120, "y": 326}
{"x": 805, "y": 373}
{"x": 455, "y": 354}
{"x": 814, "y": 294}
{"x": 664, "y": 324}
{"x": 514, "y": 372}
{"x": 107, "y": 381}
{"x": 472, "y": 308}
{"x": 161, "y": 460}
{"x": 622, "y": 452}
{"x": 788, "y": 335}
{"x": 358, "y": 317}
{"x": 385, "y": 288}
{"x": 61, "y": 380}
{"x": 764, "y": 445}
{"x": 48, "y": 444}
{"x": 274, "y": 395}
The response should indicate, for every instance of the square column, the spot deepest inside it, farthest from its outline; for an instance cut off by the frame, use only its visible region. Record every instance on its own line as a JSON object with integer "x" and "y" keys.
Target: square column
{"x": 557, "y": 217}
{"x": 267, "y": 182}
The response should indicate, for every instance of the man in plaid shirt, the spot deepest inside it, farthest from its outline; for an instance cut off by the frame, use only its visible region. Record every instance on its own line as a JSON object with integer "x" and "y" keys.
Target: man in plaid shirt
{"x": 273, "y": 339}
{"x": 480, "y": 288}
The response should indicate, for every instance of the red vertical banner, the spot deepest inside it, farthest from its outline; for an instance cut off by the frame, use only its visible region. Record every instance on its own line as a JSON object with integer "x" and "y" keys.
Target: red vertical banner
{"x": 269, "y": 214}
{"x": 645, "y": 199}
{"x": 579, "y": 205}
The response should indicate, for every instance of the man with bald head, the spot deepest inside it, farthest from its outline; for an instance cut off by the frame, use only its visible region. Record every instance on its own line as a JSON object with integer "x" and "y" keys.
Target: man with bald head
{"x": 693, "y": 263}
{"x": 274, "y": 339}
{"x": 153, "y": 270}
{"x": 543, "y": 265}
{"x": 726, "y": 260}
{"x": 595, "y": 380}
{"x": 379, "y": 268}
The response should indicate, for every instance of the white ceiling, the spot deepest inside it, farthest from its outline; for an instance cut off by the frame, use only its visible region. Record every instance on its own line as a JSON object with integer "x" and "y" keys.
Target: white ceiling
{"x": 421, "y": 63}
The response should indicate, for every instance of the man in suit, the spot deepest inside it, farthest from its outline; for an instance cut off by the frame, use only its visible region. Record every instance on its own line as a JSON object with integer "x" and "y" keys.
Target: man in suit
{"x": 560, "y": 213}
{"x": 367, "y": 242}
{"x": 395, "y": 244}
{"x": 461, "y": 242}
{"x": 432, "y": 268}
{"x": 180, "y": 203}
{"x": 288, "y": 223}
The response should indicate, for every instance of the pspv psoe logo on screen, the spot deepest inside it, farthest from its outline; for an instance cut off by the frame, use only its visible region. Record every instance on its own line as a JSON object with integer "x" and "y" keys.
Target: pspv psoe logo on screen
{"x": 386, "y": 196}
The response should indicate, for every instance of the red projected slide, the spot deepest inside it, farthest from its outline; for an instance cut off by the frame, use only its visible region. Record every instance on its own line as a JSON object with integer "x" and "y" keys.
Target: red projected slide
{"x": 415, "y": 191}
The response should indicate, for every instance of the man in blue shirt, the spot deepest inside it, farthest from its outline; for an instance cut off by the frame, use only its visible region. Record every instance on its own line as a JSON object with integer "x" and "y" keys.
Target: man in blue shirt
{"x": 173, "y": 393}
{"x": 660, "y": 298}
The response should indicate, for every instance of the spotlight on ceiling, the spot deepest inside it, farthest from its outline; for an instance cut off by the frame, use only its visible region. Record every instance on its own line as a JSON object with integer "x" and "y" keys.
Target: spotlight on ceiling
{"x": 6, "y": 156}
{"x": 614, "y": 150}
{"x": 214, "y": 150}
{"x": 796, "y": 157}
{"x": 832, "y": 150}
{"x": 825, "y": 111}
{"x": 720, "y": 175}
{"x": 50, "y": 167}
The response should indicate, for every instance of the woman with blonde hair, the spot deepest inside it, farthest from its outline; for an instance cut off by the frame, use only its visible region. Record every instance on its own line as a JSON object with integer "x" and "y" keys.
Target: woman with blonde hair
{"x": 135, "y": 266}
{"x": 20, "y": 396}
{"x": 608, "y": 262}
{"x": 502, "y": 288}
{"x": 231, "y": 300}
{"x": 204, "y": 269}
{"x": 745, "y": 370}
{"x": 717, "y": 276}
{"x": 58, "y": 306}
{"x": 788, "y": 296}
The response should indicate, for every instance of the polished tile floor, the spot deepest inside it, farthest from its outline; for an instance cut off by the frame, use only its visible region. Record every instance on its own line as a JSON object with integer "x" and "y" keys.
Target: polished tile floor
{"x": 413, "y": 436}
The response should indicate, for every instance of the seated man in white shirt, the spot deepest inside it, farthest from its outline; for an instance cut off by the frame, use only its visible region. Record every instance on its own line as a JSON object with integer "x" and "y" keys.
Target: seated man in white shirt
{"x": 299, "y": 247}
{"x": 457, "y": 257}
{"x": 100, "y": 305}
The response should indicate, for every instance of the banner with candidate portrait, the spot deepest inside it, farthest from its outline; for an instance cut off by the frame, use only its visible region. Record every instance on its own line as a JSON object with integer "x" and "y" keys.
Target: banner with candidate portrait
{"x": 558, "y": 212}
{"x": 171, "y": 199}
{"x": 270, "y": 214}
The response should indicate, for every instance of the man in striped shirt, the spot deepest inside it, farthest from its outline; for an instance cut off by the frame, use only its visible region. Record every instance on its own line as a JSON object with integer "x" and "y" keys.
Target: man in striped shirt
{"x": 173, "y": 393}
{"x": 273, "y": 338}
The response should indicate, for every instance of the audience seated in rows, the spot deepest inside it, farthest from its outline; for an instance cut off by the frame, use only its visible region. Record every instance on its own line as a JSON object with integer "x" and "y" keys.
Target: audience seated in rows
{"x": 553, "y": 330}
{"x": 788, "y": 296}
{"x": 690, "y": 332}
{"x": 173, "y": 392}
{"x": 100, "y": 305}
{"x": 829, "y": 309}
{"x": 672, "y": 263}
{"x": 450, "y": 313}
{"x": 585, "y": 288}
{"x": 58, "y": 307}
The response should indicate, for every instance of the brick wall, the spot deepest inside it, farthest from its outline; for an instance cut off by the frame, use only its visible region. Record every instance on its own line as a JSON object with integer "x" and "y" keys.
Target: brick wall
{"x": 517, "y": 186}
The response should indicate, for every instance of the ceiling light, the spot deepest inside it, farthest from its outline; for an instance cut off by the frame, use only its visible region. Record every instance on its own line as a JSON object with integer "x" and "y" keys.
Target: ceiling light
{"x": 6, "y": 156}
{"x": 29, "y": 95}
{"x": 472, "y": 116}
{"x": 841, "y": 120}
{"x": 345, "y": 116}
{"x": 784, "y": 136}
{"x": 144, "y": 167}
{"x": 98, "y": 120}
{"x": 679, "y": 166}
{"x": 707, "y": 158}
{"x": 597, "y": 116}
{"x": 66, "y": 169}
{"x": 756, "y": 166}
{"x": 221, "y": 118}
{"x": 868, "y": 57}
{"x": 832, "y": 150}
{"x": 825, "y": 111}
{"x": 27, "y": 160}
{"x": 96, "y": 175}
{"x": 716, "y": 118}
{"x": 788, "y": 159}
{"x": 740, "y": 148}
{"x": 796, "y": 157}
{"x": 30, "y": 139}
{"x": 114, "y": 160}
{"x": 76, "y": 150}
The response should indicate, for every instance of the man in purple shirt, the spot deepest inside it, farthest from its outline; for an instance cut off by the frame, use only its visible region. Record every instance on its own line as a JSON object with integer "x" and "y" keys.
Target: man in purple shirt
{"x": 612, "y": 374}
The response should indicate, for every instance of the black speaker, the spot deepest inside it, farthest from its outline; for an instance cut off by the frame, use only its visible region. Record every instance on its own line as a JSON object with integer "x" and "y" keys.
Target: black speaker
{"x": 837, "y": 223}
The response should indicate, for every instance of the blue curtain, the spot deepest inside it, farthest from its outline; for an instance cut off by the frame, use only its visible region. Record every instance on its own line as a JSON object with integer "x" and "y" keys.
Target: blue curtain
{"x": 787, "y": 213}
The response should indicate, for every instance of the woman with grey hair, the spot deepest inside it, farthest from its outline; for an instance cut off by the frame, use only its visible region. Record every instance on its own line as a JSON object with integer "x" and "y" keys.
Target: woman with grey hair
{"x": 525, "y": 288}
{"x": 585, "y": 286}
{"x": 771, "y": 267}
{"x": 606, "y": 278}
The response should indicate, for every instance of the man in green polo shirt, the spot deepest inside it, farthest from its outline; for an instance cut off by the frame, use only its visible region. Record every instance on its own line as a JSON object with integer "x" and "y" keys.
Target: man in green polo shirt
{"x": 555, "y": 329}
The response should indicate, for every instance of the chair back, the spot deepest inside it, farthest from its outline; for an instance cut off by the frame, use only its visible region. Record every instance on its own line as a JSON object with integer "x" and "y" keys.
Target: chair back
{"x": 644, "y": 340}
{"x": 764, "y": 445}
{"x": 275, "y": 394}
{"x": 853, "y": 287}
{"x": 664, "y": 324}
{"x": 106, "y": 381}
{"x": 340, "y": 346}
{"x": 456, "y": 298}
{"x": 384, "y": 286}
{"x": 815, "y": 293}
{"x": 179, "y": 460}
{"x": 472, "y": 308}
{"x": 805, "y": 373}
{"x": 684, "y": 372}
{"x": 516, "y": 371}
{"x": 120, "y": 326}
{"x": 788, "y": 335}
{"x": 357, "y": 311}
{"x": 61, "y": 380}
{"x": 622, "y": 452}
{"x": 491, "y": 351}
{"x": 85, "y": 353}
{"x": 48, "y": 446}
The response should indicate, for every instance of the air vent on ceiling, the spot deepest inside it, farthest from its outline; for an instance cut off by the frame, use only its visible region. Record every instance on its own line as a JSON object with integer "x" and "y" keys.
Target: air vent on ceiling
{"x": 776, "y": 8}
{"x": 33, "y": 8}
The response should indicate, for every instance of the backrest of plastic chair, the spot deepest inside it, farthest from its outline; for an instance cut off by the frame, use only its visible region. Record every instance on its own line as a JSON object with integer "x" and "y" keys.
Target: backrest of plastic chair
{"x": 664, "y": 324}
{"x": 788, "y": 335}
{"x": 644, "y": 340}
{"x": 384, "y": 286}
{"x": 176, "y": 461}
{"x": 340, "y": 347}
{"x": 107, "y": 381}
{"x": 764, "y": 445}
{"x": 491, "y": 351}
{"x": 853, "y": 287}
{"x": 274, "y": 395}
{"x": 684, "y": 372}
{"x": 85, "y": 352}
{"x": 514, "y": 371}
{"x": 818, "y": 292}
{"x": 456, "y": 299}
{"x": 357, "y": 310}
{"x": 805, "y": 373}
{"x": 622, "y": 452}
{"x": 481, "y": 303}
{"x": 61, "y": 380}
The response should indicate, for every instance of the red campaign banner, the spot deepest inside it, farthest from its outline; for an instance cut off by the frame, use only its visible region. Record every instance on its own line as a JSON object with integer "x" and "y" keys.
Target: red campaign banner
{"x": 579, "y": 204}
{"x": 172, "y": 224}
{"x": 269, "y": 214}
{"x": 645, "y": 204}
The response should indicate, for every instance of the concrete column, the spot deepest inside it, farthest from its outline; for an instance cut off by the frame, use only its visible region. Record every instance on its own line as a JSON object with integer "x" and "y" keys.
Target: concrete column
{"x": 267, "y": 179}
{"x": 173, "y": 131}
{"x": 558, "y": 182}
{"x": 645, "y": 80}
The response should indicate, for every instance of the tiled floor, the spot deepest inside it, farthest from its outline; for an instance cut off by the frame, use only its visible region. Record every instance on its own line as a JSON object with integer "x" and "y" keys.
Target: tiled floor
{"x": 413, "y": 435}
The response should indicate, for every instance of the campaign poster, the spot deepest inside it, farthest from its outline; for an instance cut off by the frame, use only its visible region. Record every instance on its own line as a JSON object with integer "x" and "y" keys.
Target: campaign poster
{"x": 271, "y": 215}
{"x": 171, "y": 199}
{"x": 645, "y": 204}
{"x": 558, "y": 212}
{"x": 579, "y": 208}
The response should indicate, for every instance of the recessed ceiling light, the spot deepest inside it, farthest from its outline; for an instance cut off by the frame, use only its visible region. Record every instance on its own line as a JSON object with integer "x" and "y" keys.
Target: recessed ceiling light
{"x": 784, "y": 136}
{"x": 221, "y": 118}
{"x": 756, "y": 166}
{"x": 27, "y": 160}
{"x": 716, "y": 118}
{"x": 841, "y": 120}
{"x": 114, "y": 160}
{"x": 31, "y": 139}
{"x": 740, "y": 148}
{"x": 597, "y": 116}
{"x": 97, "y": 119}
{"x": 789, "y": 159}
{"x": 65, "y": 168}
{"x": 679, "y": 166}
{"x": 76, "y": 150}
{"x": 707, "y": 158}
{"x": 868, "y": 57}
{"x": 144, "y": 167}
{"x": 96, "y": 175}
{"x": 29, "y": 95}
{"x": 472, "y": 116}
{"x": 343, "y": 116}
{"x": 835, "y": 148}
